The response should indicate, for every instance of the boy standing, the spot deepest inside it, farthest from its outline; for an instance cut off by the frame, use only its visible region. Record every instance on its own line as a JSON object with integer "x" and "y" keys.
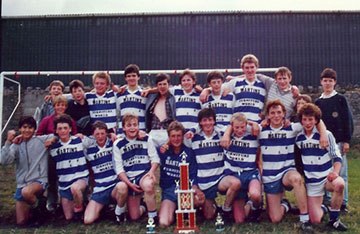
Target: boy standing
{"x": 31, "y": 158}
{"x": 78, "y": 107}
{"x": 56, "y": 88}
{"x": 321, "y": 167}
{"x": 223, "y": 105}
{"x": 337, "y": 117}
{"x": 131, "y": 101}
{"x": 71, "y": 168}
{"x": 102, "y": 103}
{"x": 135, "y": 162}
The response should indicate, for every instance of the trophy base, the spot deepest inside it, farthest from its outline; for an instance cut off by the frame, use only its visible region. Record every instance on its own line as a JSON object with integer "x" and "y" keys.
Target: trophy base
{"x": 187, "y": 230}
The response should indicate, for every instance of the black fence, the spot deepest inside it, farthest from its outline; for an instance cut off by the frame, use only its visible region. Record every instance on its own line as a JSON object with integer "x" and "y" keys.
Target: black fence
{"x": 306, "y": 42}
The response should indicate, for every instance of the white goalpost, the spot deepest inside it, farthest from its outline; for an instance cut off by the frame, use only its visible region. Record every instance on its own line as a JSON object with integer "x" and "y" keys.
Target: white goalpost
{"x": 3, "y": 76}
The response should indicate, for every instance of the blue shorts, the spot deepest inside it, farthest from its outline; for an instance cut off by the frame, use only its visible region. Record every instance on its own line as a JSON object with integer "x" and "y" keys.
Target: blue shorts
{"x": 103, "y": 197}
{"x": 275, "y": 187}
{"x": 211, "y": 193}
{"x": 137, "y": 182}
{"x": 18, "y": 193}
{"x": 67, "y": 192}
{"x": 245, "y": 178}
{"x": 169, "y": 194}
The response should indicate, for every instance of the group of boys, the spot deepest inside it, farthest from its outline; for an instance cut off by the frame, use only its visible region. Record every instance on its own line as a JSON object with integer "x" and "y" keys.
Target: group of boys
{"x": 220, "y": 130}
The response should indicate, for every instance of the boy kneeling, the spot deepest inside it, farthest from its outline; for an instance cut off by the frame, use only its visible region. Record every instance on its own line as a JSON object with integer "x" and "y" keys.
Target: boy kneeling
{"x": 135, "y": 163}
{"x": 31, "y": 158}
{"x": 321, "y": 168}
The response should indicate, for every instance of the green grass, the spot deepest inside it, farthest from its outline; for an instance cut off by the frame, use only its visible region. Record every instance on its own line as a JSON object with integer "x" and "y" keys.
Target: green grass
{"x": 288, "y": 225}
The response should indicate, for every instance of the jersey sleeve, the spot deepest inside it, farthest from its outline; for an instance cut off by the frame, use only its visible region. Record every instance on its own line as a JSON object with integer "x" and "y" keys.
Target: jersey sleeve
{"x": 152, "y": 152}
{"x": 117, "y": 159}
{"x": 9, "y": 152}
{"x": 333, "y": 148}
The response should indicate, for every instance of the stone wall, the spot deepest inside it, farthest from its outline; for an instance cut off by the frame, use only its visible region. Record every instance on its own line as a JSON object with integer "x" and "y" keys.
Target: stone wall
{"x": 33, "y": 97}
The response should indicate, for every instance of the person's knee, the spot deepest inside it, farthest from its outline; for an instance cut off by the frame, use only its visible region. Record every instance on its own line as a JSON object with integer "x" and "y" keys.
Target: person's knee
{"x": 255, "y": 196}
{"x": 121, "y": 188}
{"x": 165, "y": 221}
{"x": 275, "y": 218}
{"x": 235, "y": 185}
{"x": 296, "y": 180}
{"x": 88, "y": 219}
{"x": 148, "y": 186}
{"x": 339, "y": 187}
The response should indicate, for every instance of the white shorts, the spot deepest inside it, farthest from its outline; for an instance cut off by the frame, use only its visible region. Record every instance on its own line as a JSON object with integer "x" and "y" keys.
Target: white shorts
{"x": 316, "y": 189}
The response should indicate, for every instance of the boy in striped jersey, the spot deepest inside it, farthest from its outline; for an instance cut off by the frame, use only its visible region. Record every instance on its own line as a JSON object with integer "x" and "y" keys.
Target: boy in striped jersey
{"x": 321, "y": 167}
{"x": 277, "y": 147}
{"x": 107, "y": 186}
{"x": 187, "y": 99}
{"x": 71, "y": 168}
{"x": 135, "y": 162}
{"x": 130, "y": 100}
{"x": 102, "y": 103}
{"x": 223, "y": 105}
{"x": 249, "y": 91}
{"x": 209, "y": 157}
{"x": 241, "y": 163}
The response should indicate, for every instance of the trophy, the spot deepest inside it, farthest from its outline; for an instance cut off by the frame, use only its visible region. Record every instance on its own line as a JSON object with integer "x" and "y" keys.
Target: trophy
{"x": 186, "y": 213}
{"x": 219, "y": 224}
{"x": 150, "y": 227}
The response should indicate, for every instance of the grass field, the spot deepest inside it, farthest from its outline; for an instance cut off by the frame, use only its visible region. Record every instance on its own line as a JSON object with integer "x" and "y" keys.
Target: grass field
{"x": 288, "y": 225}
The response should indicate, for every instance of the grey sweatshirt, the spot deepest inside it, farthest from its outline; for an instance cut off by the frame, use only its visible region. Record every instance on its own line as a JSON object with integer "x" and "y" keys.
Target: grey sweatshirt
{"x": 30, "y": 157}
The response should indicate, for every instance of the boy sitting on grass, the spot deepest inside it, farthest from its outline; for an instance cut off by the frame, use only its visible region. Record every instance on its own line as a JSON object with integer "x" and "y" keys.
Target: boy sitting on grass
{"x": 321, "y": 167}
{"x": 31, "y": 158}
{"x": 135, "y": 162}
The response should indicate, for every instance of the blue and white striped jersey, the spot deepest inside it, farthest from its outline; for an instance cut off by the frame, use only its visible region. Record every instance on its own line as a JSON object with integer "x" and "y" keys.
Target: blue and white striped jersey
{"x": 134, "y": 157}
{"x": 131, "y": 102}
{"x": 209, "y": 157}
{"x": 102, "y": 108}
{"x": 249, "y": 97}
{"x": 241, "y": 154}
{"x": 70, "y": 161}
{"x": 277, "y": 148}
{"x": 223, "y": 106}
{"x": 101, "y": 162}
{"x": 187, "y": 106}
{"x": 317, "y": 161}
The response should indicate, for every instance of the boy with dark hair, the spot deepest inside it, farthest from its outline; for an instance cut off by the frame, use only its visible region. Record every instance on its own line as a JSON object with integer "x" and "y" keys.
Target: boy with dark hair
{"x": 107, "y": 186}
{"x": 78, "y": 107}
{"x": 31, "y": 158}
{"x": 135, "y": 162}
{"x": 223, "y": 105}
{"x": 209, "y": 157}
{"x": 71, "y": 168}
{"x": 337, "y": 116}
{"x": 131, "y": 101}
{"x": 321, "y": 167}
{"x": 160, "y": 110}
